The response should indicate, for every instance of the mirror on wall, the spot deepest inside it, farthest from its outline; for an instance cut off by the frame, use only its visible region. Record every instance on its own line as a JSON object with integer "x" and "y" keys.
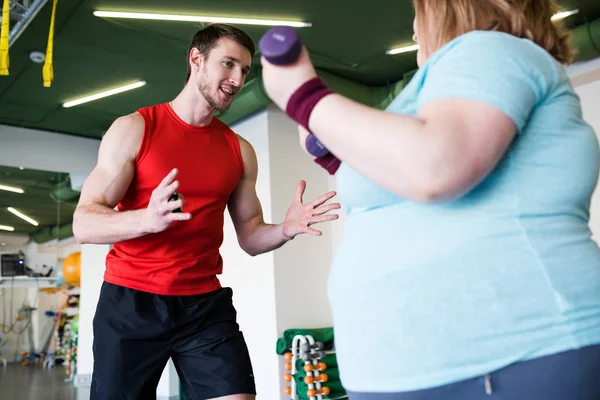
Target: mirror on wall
{"x": 36, "y": 213}
{"x": 39, "y": 264}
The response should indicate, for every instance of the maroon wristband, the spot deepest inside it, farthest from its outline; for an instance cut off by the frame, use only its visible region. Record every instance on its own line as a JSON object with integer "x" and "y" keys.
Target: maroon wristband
{"x": 305, "y": 98}
{"x": 329, "y": 162}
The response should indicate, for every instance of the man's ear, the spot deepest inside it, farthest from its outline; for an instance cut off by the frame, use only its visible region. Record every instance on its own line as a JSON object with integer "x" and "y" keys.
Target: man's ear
{"x": 196, "y": 59}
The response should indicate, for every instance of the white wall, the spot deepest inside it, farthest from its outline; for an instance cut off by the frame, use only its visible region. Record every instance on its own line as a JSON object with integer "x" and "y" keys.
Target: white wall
{"x": 47, "y": 151}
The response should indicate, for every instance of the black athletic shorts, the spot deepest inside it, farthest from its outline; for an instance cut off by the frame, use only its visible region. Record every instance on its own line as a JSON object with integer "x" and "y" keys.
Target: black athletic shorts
{"x": 135, "y": 334}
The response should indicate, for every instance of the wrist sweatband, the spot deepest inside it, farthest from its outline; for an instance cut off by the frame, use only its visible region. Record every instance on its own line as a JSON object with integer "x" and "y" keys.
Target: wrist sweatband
{"x": 329, "y": 162}
{"x": 305, "y": 98}
{"x": 299, "y": 108}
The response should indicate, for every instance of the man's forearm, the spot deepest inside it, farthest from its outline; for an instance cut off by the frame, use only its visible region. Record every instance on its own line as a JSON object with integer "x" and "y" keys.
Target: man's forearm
{"x": 97, "y": 224}
{"x": 264, "y": 238}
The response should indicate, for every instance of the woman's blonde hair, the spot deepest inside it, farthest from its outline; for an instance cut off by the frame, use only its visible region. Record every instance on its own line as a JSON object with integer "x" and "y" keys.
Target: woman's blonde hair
{"x": 443, "y": 20}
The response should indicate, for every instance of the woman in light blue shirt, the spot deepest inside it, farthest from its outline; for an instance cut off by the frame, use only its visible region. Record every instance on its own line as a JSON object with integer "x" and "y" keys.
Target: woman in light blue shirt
{"x": 466, "y": 267}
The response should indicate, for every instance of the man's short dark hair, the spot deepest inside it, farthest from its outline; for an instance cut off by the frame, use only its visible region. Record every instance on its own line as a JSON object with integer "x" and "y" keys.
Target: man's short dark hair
{"x": 206, "y": 39}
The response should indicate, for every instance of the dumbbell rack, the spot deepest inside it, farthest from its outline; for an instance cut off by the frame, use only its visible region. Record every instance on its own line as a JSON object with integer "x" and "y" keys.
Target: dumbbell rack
{"x": 304, "y": 347}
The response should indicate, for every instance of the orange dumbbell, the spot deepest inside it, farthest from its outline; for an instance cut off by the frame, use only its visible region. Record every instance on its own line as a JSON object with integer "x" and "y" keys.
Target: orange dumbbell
{"x": 312, "y": 379}
{"x": 323, "y": 391}
{"x": 287, "y": 377}
{"x": 288, "y": 390}
{"x": 288, "y": 356}
{"x": 319, "y": 367}
{"x": 288, "y": 366}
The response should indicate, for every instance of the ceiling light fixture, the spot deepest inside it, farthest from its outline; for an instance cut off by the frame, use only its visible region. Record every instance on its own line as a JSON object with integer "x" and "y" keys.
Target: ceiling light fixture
{"x": 404, "y": 49}
{"x": 564, "y": 14}
{"x": 200, "y": 18}
{"x": 101, "y": 95}
{"x": 6, "y": 228}
{"x": 23, "y": 216}
{"x": 11, "y": 189}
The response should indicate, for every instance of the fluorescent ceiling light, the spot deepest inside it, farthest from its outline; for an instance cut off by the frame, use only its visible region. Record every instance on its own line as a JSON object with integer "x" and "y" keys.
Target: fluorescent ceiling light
{"x": 107, "y": 93}
{"x": 200, "y": 18}
{"x": 6, "y": 228}
{"x": 404, "y": 49}
{"x": 564, "y": 14}
{"x": 11, "y": 189}
{"x": 23, "y": 216}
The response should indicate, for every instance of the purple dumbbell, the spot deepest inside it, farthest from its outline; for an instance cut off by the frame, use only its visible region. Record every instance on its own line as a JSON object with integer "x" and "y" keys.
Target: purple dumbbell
{"x": 280, "y": 46}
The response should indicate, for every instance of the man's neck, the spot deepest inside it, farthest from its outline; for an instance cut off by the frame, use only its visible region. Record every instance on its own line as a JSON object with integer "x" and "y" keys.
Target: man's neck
{"x": 192, "y": 107}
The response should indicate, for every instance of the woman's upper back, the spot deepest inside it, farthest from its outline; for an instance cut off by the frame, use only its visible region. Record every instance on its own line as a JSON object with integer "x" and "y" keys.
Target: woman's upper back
{"x": 554, "y": 158}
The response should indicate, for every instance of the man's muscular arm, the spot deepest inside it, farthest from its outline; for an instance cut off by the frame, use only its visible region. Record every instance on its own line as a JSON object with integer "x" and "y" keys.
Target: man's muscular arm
{"x": 95, "y": 220}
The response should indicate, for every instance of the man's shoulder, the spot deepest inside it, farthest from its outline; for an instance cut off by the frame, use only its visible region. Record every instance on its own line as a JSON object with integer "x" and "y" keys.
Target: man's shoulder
{"x": 126, "y": 134}
{"x": 130, "y": 123}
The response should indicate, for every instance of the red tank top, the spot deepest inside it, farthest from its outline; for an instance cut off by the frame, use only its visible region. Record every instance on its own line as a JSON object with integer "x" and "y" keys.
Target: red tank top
{"x": 185, "y": 258}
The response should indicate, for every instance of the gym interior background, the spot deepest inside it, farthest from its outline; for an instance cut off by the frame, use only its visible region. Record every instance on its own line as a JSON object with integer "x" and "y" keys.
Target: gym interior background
{"x": 61, "y": 52}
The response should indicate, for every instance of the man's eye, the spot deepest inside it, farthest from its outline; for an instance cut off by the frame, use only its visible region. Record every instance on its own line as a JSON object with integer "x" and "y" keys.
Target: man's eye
{"x": 228, "y": 64}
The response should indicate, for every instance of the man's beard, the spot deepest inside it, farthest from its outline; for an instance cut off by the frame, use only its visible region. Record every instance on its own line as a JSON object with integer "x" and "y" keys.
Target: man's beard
{"x": 211, "y": 100}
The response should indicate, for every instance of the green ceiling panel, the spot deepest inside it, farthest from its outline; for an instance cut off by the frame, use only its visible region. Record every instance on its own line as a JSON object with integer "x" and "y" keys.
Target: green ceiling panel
{"x": 348, "y": 39}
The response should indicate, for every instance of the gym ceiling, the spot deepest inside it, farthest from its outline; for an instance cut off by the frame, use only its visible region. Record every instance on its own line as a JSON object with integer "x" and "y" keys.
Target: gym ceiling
{"x": 347, "y": 40}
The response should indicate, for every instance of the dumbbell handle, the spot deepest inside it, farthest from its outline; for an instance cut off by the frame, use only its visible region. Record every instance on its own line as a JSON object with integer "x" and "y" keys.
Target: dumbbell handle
{"x": 175, "y": 197}
{"x": 281, "y": 45}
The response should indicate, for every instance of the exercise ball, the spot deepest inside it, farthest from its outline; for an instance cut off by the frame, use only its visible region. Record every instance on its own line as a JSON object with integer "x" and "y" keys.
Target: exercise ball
{"x": 71, "y": 268}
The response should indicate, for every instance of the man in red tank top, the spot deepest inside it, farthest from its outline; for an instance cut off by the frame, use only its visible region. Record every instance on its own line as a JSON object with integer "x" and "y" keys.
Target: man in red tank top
{"x": 160, "y": 297}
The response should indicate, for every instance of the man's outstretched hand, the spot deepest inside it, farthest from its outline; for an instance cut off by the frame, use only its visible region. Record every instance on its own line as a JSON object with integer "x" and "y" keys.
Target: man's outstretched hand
{"x": 300, "y": 217}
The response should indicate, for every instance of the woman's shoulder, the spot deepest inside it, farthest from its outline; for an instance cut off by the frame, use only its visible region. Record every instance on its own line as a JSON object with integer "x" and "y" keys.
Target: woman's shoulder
{"x": 498, "y": 44}
{"x": 498, "y": 53}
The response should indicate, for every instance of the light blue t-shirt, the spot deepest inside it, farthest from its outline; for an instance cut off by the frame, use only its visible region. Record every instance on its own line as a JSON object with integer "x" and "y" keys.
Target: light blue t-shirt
{"x": 428, "y": 294}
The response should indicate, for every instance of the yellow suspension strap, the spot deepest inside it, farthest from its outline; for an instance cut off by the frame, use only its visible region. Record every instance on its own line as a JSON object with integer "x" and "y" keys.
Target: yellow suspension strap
{"x": 47, "y": 70}
{"x": 4, "y": 61}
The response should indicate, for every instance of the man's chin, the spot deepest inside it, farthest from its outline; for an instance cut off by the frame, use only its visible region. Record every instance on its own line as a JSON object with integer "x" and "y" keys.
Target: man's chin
{"x": 224, "y": 106}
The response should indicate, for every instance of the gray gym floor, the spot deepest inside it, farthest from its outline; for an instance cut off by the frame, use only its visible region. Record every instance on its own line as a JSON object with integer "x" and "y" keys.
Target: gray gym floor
{"x": 37, "y": 383}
